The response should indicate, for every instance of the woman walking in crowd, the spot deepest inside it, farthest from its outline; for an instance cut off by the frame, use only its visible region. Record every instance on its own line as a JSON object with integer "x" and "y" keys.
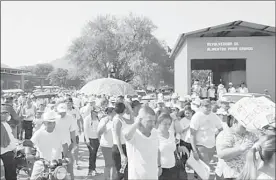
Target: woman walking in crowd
{"x": 106, "y": 143}
{"x": 166, "y": 147}
{"x": 92, "y": 141}
{"x": 7, "y": 146}
{"x": 73, "y": 111}
{"x": 119, "y": 153}
{"x": 264, "y": 169}
{"x": 182, "y": 130}
{"x": 29, "y": 112}
{"x": 232, "y": 144}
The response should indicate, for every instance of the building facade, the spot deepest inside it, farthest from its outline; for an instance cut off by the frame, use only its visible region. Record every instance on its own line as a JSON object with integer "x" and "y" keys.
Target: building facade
{"x": 235, "y": 52}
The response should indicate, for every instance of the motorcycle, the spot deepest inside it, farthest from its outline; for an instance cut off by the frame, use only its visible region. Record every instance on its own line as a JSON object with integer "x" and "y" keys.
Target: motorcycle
{"x": 22, "y": 162}
{"x": 54, "y": 170}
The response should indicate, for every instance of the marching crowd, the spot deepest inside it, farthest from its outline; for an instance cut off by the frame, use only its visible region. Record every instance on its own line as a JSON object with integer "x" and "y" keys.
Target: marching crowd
{"x": 138, "y": 140}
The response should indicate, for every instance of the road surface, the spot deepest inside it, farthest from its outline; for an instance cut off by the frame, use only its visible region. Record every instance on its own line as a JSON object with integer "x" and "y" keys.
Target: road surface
{"x": 81, "y": 173}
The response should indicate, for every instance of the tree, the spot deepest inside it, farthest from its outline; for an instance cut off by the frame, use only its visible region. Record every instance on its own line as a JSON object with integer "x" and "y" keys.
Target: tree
{"x": 123, "y": 46}
{"x": 39, "y": 69}
{"x": 43, "y": 69}
{"x": 58, "y": 77}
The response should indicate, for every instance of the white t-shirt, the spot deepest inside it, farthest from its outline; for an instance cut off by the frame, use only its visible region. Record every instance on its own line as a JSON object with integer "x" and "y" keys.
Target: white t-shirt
{"x": 142, "y": 155}
{"x": 243, "y": 90}
{"x": 106, "y": 138}
{"x": 206, "y": 126}
{"x": 124, "y": 125}
{"x": 75, "y": 113}
{"x": 211, "y": 93}
{"x": 167, "y": 148}
{"x": 66, "y": 125}
{"x": 12, "y": 144}
{"x": 183, "y": 123}
{"x": 90, "y": 128}
{"x": 49, "y": 145}
{"x": 204, "y": 92}
{"x": 232, "y": 90}
{"x": 85, "y": 111}
{"x": 30, "y": 112}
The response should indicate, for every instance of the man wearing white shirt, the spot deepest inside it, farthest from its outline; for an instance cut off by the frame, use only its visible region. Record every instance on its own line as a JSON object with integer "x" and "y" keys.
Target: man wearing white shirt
{"x": 40, "y": 140}
{"x": 203, "y": 127}
{"x": 86, "y": 110}
{"x": 231, "y": 89}
{"x": 7, "y": 146}
{"x": 243, "y": 88}
{"x": 67, "y": 126}
{"x": 142, "y": 147}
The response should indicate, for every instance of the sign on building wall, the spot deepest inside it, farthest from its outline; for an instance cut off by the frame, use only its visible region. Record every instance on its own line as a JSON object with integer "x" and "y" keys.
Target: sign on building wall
{"x": 226, "y": 46}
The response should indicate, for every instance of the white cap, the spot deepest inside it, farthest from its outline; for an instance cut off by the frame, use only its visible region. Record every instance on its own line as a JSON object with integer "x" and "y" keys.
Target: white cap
{"x": 62, "y": 107}
{"x": 50, "y": 116}
{"x": 230, "y": 83}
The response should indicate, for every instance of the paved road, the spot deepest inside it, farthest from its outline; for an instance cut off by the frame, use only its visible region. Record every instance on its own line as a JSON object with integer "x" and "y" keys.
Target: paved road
{"x": 80, "y": 174}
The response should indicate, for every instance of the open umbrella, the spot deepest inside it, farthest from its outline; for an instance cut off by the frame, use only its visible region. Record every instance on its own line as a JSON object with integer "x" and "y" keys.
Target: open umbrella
{"x": 108, "y": 86}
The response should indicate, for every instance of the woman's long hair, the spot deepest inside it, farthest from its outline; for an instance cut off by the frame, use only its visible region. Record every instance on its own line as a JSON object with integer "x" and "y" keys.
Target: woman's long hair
{"x": 266, "y": 148}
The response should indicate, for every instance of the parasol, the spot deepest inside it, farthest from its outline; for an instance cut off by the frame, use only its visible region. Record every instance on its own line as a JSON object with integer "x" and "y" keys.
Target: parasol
{"x": 108, "y": 86}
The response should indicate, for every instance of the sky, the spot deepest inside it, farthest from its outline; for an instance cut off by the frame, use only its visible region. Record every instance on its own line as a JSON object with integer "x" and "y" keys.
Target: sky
{"x": 39, "y": 32}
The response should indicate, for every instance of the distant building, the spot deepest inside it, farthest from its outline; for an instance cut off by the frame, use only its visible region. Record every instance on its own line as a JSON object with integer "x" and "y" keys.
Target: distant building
{"x": 235, "y": 52}
{"x": 12, "y": 78}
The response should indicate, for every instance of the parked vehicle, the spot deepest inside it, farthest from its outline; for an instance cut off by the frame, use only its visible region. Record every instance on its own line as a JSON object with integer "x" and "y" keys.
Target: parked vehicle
{"x": 234, "y": 97}
{"x": 145, "y": 95}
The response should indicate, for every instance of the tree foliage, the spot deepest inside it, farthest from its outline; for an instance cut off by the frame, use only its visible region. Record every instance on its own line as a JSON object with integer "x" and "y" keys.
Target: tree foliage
{"x": 124, "y": 46}
{"x": 39, "y": 69}
{"x": 58, "y": 77}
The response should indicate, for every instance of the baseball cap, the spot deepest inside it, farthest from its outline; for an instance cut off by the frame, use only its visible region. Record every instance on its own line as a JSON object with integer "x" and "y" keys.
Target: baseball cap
{"x": 62, "y": 107}
{"x": 50, "y": 116}
{"x": 135, "y": 103}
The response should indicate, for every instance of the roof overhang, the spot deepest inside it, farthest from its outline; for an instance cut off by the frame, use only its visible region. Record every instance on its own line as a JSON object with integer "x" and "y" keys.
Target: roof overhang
{"x": 232, "y": 29}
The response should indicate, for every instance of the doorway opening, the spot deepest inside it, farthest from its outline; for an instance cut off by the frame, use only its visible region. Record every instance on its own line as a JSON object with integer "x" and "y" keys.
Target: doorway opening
{"x": 218, "y": 71}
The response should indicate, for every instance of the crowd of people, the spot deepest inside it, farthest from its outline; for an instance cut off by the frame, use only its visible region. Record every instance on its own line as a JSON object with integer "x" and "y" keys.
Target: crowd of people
{"x": 138, "y": 140}
{"x": 209, "y": 90}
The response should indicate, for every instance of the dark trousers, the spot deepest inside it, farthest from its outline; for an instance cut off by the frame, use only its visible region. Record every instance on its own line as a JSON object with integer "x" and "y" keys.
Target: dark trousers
{"x": 9, "y": 165}
{"x": 169, "y": 174}
{"x": 93, "y": 149}
{"x": 27, "y": 126}
{"x": 117, "y": 160}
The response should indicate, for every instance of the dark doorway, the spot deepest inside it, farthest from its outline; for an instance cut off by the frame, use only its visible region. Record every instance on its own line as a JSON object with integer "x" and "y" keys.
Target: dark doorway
{"x": 225, "y": 70}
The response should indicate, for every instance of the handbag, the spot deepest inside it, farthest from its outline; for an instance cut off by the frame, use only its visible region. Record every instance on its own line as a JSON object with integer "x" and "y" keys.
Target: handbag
{"x": 178, "y": 160}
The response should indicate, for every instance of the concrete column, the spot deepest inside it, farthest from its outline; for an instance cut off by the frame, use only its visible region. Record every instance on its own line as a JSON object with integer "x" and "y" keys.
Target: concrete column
{"x": 22, "y": 81}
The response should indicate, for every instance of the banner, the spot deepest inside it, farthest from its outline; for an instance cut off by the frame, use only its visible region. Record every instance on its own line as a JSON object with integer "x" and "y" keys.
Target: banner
{"x": 254, "y": 113}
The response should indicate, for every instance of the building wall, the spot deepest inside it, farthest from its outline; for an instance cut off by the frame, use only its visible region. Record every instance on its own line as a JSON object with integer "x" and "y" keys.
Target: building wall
{"x": 260, "y": 60}
{"x": 181, "y": 70}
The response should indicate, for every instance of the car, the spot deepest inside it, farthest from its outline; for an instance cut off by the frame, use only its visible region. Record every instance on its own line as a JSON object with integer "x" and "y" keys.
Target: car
{"x": 145, "y": 96}
{"x": 235, "y": 97}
